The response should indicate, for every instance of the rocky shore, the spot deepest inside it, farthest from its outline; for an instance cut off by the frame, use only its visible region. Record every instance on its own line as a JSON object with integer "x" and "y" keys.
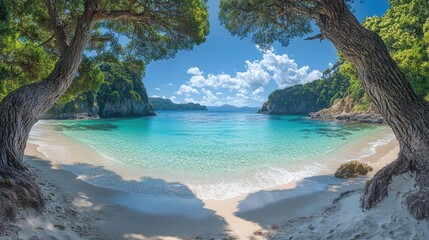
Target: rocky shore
{"x": 343, "y": 110}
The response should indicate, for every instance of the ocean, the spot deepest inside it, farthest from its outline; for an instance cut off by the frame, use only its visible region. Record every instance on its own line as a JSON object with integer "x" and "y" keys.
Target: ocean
{"x": 210, "y": 155}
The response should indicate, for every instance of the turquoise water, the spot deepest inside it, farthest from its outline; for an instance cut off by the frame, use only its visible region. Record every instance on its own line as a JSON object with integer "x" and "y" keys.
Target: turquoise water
{"x": 219, "y": 155}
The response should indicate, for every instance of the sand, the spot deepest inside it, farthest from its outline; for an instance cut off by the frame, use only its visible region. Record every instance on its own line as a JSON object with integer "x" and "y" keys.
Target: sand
{"x": 78, "y": 210}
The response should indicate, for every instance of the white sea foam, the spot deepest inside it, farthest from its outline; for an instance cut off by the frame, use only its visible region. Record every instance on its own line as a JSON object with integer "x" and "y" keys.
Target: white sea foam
{"x": 371, "y": 149}
{"x": 263, "y": 179}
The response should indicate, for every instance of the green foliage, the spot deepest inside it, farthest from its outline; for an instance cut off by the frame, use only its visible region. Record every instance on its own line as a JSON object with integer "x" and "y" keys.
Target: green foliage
{"x": 21, "y": 62}
{"x": 355, "y": 91}
{"x": 174, "y": 25}
{"x": 268, "y": 21}
{"x": 4, "y": 16}
{"x": 405, "y": 30}
{"x": 149, "y": 30}
{"x": 121, "y": 85}
{"x": 315, "y": 95}
{"x": 90, "y": 78}
{"x": 255, "y": 19}
{"x": 123, "y": 81}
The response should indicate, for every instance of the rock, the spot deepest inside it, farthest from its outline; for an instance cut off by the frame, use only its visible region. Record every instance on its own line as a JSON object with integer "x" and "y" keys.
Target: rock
{"x": 352, "y": 169}
{"x": 343, "y": 110}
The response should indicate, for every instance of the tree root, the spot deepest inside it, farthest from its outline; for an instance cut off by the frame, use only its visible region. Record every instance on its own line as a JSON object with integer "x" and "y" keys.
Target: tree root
{"x": 417, "y": 201}
{"x": 418, "y": 204}
{"x": 18, "y": 190}
{"x": 377, "y": 188}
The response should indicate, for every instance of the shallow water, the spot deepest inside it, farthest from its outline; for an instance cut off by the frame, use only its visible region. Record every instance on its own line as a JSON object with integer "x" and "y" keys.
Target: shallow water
{"x": 216, "y": 155}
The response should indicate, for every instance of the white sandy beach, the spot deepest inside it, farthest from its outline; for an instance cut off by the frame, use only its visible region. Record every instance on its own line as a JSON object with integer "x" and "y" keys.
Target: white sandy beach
{"x": 76, "y": 209}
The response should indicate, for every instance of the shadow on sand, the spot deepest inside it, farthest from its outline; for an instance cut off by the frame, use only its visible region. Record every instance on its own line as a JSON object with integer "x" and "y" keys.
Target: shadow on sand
{"x": 303, "y": 200}
{"x": 168, "y": 208}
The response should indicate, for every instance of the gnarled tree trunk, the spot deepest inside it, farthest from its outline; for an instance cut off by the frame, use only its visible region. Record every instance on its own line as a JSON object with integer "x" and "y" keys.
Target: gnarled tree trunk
{"x": 389, "y": 90}
{"x": 21, "y": 109}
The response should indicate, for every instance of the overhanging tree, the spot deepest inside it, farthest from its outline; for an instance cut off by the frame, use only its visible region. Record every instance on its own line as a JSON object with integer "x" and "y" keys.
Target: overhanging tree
{"x": 267, "y": 21}
{"x": 68, "y": 30}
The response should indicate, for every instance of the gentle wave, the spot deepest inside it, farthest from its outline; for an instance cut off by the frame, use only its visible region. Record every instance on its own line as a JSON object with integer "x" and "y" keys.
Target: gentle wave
{"x": 371, "y": 149}
{"x": 263, "y": 179}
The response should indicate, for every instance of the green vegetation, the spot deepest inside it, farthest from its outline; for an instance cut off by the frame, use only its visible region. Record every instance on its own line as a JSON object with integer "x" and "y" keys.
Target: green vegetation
{"x": 21, "y": 63}
{"x": 123, "y": 81}
{"x": 405, "y": 30}
{"x": 122, "y": 93}
{"x": 56, "y": 36}
{"x": 160, "y": 104}
{"x": 29, "y": 48}
{"x": 309, "y": 97}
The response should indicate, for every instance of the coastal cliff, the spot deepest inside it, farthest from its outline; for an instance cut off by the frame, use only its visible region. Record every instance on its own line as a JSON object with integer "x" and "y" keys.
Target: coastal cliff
{"x": 122, "y": 94}
{"x": 309, "y": 97}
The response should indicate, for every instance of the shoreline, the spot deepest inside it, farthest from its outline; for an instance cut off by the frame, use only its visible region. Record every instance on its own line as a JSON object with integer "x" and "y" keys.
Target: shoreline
{"x": 240, "y": 217}
{"x": 290, "y": 198}
{"x": 79, "y": 158}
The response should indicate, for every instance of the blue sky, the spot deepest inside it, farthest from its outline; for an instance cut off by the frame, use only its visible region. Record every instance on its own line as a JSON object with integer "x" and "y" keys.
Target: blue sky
{"x": 229, "y": 70}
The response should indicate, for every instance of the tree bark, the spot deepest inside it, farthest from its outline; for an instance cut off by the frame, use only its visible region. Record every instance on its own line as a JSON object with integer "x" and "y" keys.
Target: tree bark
{"x": 21, "y": 109}
{"x": 389, "y": 90}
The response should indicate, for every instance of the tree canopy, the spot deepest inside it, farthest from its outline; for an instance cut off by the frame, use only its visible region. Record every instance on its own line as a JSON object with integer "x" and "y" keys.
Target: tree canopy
{"x": 37, "y": 32}
{"x": 268, "y": 21}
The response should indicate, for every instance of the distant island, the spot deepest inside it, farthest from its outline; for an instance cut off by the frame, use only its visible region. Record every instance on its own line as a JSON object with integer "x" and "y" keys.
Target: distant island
{"x": 231, "y": 108}
{"x": 161, "y": 104}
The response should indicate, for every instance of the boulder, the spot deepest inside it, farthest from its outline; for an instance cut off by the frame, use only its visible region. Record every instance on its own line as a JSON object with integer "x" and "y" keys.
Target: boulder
{"x": 352, "y": 169}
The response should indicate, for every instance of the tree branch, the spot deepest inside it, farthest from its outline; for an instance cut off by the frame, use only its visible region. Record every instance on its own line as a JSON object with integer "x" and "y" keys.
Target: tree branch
{"x": 121, "y": 15}
{"x": 319, "y": 36}
{"x": 48, "y": 40}
{"x": 57, "y": 26}
{"x": 101, "y": 39}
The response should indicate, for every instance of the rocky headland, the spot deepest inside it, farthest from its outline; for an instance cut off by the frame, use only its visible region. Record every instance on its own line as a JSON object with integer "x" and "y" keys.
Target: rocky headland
{"x": 345, "y": 110}
{"x": 161, "y": 104}
{"x": 122, "y": 94}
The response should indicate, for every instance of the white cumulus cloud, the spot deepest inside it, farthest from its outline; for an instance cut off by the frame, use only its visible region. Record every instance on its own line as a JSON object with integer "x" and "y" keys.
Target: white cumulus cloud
{"x": 248, "y": 84}
{"x": 185, "y": 89}
{"x": 195, "y": 71}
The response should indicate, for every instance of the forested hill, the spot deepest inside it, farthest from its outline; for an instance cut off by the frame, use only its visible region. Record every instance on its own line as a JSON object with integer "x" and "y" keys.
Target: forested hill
{"x": 121, "y": 94}
{"x": 309, "y": 97}
{"x": 161, "y": 104}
